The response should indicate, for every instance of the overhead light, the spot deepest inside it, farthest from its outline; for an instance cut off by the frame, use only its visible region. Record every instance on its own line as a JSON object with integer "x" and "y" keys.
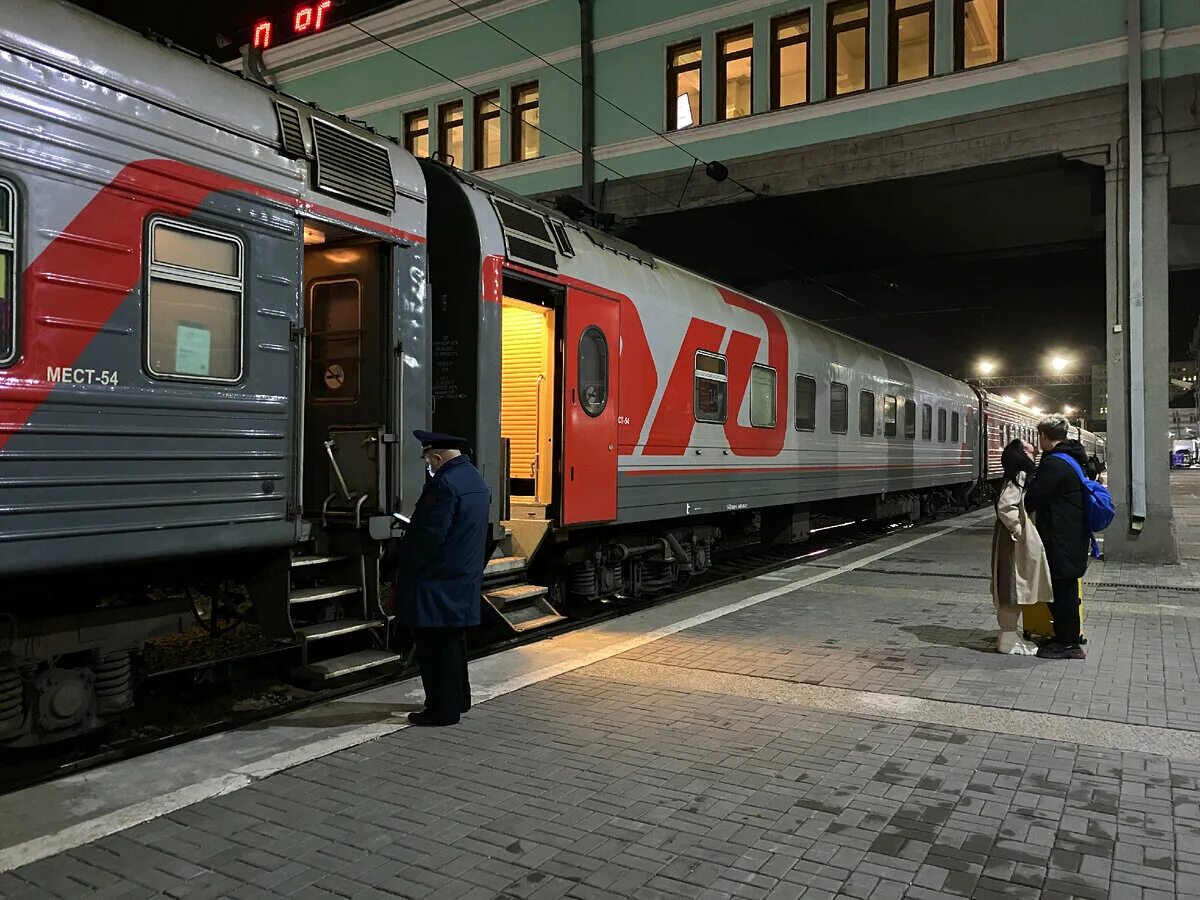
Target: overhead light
{"x": 313, "y": 235}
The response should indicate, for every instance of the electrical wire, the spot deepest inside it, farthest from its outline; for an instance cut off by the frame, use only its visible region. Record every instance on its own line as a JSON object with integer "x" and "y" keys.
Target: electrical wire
{"x": 508, "y": 112}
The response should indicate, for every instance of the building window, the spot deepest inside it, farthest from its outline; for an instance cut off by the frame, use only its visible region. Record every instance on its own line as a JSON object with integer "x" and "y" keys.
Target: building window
{"x": 847, "y": 47}
{"x": 527, "y": 122}
{"x": 194, "y": 303}
{"x": 866, "y": 413}
{"x": 416, "y": 132}
{"x": 789, "y": 60}
{"x": 926, "y": 422}
{"x": 910, "y": 40}
{"x": 941, "y": 426}
{"x": 839, "y": 408}
{"x": 683, "y": 86}
{"x": 593, "y": 371}
{"x": 910, "y": 420}
{"x": 335, "y": 340}
{"x": 762, "y": 397}
{"x": 890, "y": 408}
{"x": 487, "y": 130}
{"x": 712, "y": 386}
{"x": 806, "y": 403}
{"x": 450, "y": 133}
{"x": 8, "y": 272}
{"x": 978, "y": 33}
{"x": 735, "y": 77}
{"x": 954, "y": 428}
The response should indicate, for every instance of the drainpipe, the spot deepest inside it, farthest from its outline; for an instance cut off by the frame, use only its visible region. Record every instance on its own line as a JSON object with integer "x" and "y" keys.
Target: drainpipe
{"x": 588, "y": 100}
{"x": 1137, "y": 375}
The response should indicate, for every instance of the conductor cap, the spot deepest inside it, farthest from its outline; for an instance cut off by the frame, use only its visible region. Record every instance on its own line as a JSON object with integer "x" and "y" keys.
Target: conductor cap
{"x": 434, "y": 440}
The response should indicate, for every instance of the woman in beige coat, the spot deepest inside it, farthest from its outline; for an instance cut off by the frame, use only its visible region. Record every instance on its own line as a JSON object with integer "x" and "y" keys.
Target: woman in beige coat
{"x": 1020, "y": 573}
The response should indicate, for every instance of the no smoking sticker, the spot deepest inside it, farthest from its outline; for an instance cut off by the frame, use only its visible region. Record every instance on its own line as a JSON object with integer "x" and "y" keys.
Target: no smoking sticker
{"x": 335, "y": 377}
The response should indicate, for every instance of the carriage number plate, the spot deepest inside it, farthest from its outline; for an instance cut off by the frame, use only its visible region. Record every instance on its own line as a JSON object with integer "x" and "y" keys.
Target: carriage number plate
{"x": 67, "y": 375}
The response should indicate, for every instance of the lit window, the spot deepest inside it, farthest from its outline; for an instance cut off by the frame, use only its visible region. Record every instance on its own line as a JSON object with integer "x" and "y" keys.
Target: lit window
{"x": 847, "y": 47}
{"x": 194, "y": 303}
{"x": 926, "y": 422}
{"x": 941, "y": 426}
{"x": 762, "y": 397}
{"x": 8, "y": 272}
{"x": 866, "y": 413}
{"x": 839, "y": 408}
{"x": 593, "y": 371}
{"x": 683, "y": 86}
{"x": 910, "y": 420}
{"x": 416, "y": 132}
{"x": 978, "y": 33}
{"x": 890, "y": 407}
{"x": 487, "y": 130}
{"x": 735, "y": 80}
{"x": 450, "y": 133}
{"x": 910, "y": 47}
{"x": 527, "y": 121}
{"x": 335, "y": 340}
{"x": 712, "y": 387}
{"x": 789, "y": 60}
{"x": 806, "y": 403}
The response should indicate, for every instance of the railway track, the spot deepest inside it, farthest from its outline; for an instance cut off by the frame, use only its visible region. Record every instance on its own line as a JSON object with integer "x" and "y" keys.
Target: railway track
{"x": 225, "y": 694}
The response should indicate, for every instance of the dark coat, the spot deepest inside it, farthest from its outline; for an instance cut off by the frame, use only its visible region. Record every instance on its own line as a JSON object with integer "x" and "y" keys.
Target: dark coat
{"x": 1055, "y": 496}
{"x": 438, "y": 564}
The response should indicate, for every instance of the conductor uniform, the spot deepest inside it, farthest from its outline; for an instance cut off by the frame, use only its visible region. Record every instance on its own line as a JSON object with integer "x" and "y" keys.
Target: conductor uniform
{"x": 439, "y": 575}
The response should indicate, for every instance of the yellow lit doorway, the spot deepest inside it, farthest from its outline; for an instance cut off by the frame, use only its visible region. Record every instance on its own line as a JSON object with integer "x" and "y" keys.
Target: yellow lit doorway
{"x": 527, "y": 404}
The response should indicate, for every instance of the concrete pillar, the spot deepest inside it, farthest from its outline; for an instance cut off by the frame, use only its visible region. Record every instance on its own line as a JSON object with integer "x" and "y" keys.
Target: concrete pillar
{"x": 1155, "y": 542}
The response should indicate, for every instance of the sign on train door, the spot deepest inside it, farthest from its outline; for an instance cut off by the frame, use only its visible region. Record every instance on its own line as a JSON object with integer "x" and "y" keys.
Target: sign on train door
{"x": 590, "y": 349}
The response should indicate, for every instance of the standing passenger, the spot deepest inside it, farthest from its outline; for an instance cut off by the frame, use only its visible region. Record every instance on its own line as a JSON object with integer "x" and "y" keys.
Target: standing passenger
{"x": 1055, "y": 497}
{"x": 439, "y": 575}
{"x": 1020, "y": 575}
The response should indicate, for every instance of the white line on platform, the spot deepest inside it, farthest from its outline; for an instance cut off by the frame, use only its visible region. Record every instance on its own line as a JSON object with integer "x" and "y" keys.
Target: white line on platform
{"x": 146, "y": 810}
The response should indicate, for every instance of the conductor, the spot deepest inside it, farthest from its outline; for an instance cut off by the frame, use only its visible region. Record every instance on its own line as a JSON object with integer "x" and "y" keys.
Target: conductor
{"x": 438, "y": 574}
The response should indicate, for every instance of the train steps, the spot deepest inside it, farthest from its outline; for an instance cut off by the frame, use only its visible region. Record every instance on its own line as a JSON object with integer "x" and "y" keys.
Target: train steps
{"x": 341, "y": 637}
{"x": 522, "y": 607}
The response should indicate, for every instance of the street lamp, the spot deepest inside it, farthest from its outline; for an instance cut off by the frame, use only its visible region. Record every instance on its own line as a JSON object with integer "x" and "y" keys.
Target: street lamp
{"x": 1023, "y": 399}
{"x": 1037, "y": 410}
{"x": 1059, "y": 363}
{"x": 1068, "y": 410}
{"x": 986, "y": 367}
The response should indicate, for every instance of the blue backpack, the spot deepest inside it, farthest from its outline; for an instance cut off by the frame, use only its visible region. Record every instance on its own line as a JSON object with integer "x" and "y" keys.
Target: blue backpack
{"x": 1098, "y": 510}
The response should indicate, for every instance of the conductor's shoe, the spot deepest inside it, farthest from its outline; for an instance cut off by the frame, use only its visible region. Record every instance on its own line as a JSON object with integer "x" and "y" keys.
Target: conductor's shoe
{"x": 425, "y": 718}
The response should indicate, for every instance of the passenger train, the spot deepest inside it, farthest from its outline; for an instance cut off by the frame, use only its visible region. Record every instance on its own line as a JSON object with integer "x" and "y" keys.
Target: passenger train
{"x": 223, "y": 312}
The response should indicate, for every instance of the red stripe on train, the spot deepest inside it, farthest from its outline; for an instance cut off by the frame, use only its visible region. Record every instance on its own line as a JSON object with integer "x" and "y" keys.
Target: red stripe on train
{"x": 731, "y": 470}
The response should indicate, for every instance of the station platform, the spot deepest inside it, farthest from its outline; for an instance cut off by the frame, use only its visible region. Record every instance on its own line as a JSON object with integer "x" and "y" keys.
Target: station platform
{"x": 841, "y": 728}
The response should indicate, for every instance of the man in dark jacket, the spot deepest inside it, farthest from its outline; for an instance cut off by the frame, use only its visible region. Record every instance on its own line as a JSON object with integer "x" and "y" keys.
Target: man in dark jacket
{"x": 438, "y": 574}
{"x": 1055, "y": 496}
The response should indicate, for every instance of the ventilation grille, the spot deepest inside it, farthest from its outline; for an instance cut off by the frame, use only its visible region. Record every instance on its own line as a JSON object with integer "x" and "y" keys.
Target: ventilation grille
{"x": 353, "y": 168}
{"x": 561, "y": 238}
{"x": 289, "y": 126}
{"x": 526, "y": 235}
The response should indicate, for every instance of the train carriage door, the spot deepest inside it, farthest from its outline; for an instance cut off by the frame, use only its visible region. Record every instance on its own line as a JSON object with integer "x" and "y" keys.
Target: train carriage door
{"x": 590, "y": 350}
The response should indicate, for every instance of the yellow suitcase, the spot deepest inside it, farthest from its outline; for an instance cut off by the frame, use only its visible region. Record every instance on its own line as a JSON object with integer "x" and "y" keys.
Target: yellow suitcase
{"x": 1038, "y": 623}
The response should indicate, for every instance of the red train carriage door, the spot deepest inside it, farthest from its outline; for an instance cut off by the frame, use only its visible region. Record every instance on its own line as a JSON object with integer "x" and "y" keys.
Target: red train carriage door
{"x": 590, "y": 349}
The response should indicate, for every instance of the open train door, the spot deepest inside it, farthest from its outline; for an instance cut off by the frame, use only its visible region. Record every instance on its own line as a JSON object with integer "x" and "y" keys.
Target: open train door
{"x": 590, "y": 351}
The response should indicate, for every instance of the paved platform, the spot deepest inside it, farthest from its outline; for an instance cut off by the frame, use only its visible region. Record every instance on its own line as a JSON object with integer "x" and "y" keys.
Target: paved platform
{"x": 842, "y": 728}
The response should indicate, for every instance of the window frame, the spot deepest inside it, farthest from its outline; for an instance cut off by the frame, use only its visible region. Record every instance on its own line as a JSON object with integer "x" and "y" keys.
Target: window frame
{"x": 724, "y": 59}
{"x": 813, "y": 417}
{"x": 410, "y": 136}
{"x": 831, "y": 33}
{"x": 927, "y": 421}
{"x": 183, "y": 275}
{"x": 959, "y": 36}
{"x": 910, "y": 413}
{"x": 673, "y": 74}
{"x": 941, "y": 424}
{"x": 862, "y": 395}
{"x": 895, "y": 17}
{"x": 9, "y": 243}
{"x": 845, "y": 388}
{"x": 895, "y": 423}
{"x": 343, "y": 278}
{"x": 778, "y": 45}
{"x": 592, "y": 330}
{"x": 774, "y": 394}
{"x": 955, "y": 427}
{"x": 480, "y": 119}
{"x": 444, "y": 128}
{"x": 698, "y": 376}
{"x": 518, "y": 124}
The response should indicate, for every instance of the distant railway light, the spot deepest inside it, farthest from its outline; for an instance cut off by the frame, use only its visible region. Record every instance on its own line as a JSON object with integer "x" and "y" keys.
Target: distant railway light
{"x": 1069, "y": 410}
{"x": 985, "y": 367}
{"x": 1023, "y": 399}
{"x": 1037, "y": 410}
{"x": 1059, "y": 363}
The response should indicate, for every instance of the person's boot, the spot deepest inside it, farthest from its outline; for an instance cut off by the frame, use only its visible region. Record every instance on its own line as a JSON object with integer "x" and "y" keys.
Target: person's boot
{"x": 1011, "y": 643}
{"x": 1056, "y": 650}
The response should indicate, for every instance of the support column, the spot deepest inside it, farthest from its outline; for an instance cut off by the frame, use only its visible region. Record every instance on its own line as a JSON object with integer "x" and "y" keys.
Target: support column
{"x": 1155, "y": 542}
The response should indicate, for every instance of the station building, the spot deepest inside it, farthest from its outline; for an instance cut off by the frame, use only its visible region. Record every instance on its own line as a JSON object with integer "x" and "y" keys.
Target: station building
{"x": 930, "y": 128}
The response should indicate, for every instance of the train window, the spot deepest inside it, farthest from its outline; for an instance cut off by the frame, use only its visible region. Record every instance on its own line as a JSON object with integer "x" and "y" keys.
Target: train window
{"x": 941, "y": 426}
{"x": 762, "y": 397}
{"x": 335, "y": 340}
{"x": 839, "y": 408}
{"x": 712, "y": 387}
{"x": 593, "y": 371}
{"x": 866, "y": 413}
{"x": 926, "y": 422}
{"x": 889, "y": 415}
{"x": 910, "y": 419}
{"x": 8, "y": 272}
{"x": 194, "y": 303}
{"x": 954, "y": 427}
{"x": 806, "y": 403}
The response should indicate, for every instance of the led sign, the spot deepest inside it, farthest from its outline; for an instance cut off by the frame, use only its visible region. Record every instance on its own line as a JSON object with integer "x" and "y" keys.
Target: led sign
{"x": 308, "y": 18}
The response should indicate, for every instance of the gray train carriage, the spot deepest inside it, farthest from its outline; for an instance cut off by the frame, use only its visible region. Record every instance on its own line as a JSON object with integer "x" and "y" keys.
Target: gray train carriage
{"x": 1005, "y": 420}
{"x": 628, "y": 414}
{"x": 213, "y": 302}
